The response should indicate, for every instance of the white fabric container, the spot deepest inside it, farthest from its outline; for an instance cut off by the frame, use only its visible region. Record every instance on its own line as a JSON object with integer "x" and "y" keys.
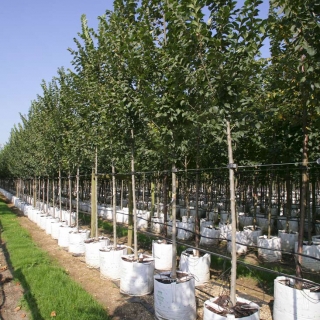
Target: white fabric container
{"x": 185, "y": 230}
{"x": 42, "y": 222}
{"x": 92, "y": 251}
{"x": 198, "y": 267}
{"x": 142, "y": 221}
{"x": 49, "y": 220}
{"x": 157, "y": 224}
{"x": 288, "y": 240}
{"x": 245, "y": 221}
{"x": 294, "y": 304}
{"x": 162, "y": 255}
{"x": 268, "y": 248}
{"x": 205, "y": 223}
{"x": 174, "y": 299}
{"x": 225, "y": 216}
{"x": 242, "y": 242}
{"x": 136, "y": 277}
{"x": 263, "y": 223}
{"x": 76, "y": 241}
{"x": 252, "y": 234}
{"x": 169, "y": 227}
{"x": 55, "y": 229}
{"x": 63, "y": 239}
{"x": 110, "y": 262}
{"x": 312, "y": 250}
{"x": 224, "y": 230}
{"x": 210, "y": 236}
{"x": 315, "y": 239}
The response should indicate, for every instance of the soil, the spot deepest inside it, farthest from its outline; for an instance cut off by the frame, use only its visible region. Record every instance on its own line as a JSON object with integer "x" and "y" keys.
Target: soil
{"x": 240, "y": 310}
{"x": 106, "y": 292}
{"x": 11, "y": 291}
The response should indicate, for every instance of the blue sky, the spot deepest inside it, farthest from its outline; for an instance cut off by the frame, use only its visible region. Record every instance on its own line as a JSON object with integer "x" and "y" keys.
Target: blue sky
{"x": 35, "y": 36}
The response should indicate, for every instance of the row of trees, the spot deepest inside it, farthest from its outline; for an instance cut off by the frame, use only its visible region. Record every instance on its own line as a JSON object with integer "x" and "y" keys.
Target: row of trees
{"x": 156, "y": 86}
{"x": 158, "y": 79}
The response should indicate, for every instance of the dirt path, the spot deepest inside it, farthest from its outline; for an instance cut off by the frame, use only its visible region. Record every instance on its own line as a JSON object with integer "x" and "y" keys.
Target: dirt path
{"x": 11, "y": 291}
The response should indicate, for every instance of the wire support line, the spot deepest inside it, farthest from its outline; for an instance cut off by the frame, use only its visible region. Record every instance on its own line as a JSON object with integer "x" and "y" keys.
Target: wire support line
{"x": 253, "y": 246}
{"x": 229, "y": 258}
{"x": 238, "y": 261}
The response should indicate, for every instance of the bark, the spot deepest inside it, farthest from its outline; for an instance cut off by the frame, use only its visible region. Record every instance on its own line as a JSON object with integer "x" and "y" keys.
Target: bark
{"x": 303, "y": 197}
{"x": 77, "y": 201}
{"x": 233, "y": 222}
{"x": 114, "y": 200}
{"x": 174, "y": 244}
{"x": 135, "y": 233}
{"x": 130, "y": 218}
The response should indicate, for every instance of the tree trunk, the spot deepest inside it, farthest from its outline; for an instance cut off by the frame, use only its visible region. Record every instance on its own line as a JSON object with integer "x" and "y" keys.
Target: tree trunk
{"x": 48, "y": 198}
{"x": 93, "y": 204}
{"x": 114, "y": 200}
{"x": 197, "y": 220}
{"x": 135, "y": 233}
{"x": 77, "y": 201}
{"x": 289, "y": 200}
{"x": 303, "y": 197}
{"x": 233, "y": 222}
{"x": 70, "y": 198}
{"x": 269, "y": 206}
{"x": 34, "y": 193}
{"x": 174, "y": 231}
{"x": 165, "y": 202}
{"x": 60, "y": 206}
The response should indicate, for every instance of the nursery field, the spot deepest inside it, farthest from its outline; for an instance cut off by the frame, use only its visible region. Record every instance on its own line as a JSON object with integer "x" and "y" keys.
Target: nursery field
{"x": 107, "y": 293}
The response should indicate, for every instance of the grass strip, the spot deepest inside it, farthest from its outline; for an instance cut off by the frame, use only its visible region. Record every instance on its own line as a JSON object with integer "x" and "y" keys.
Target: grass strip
{"x": 47, "y": 287}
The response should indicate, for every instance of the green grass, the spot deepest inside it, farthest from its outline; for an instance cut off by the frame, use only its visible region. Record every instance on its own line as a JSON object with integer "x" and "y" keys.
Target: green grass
{"x": 47, "y": 287}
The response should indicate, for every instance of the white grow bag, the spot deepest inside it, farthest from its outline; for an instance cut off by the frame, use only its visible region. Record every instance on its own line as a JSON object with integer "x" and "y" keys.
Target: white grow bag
{"x": 110, "y": 262}
{"x": 55, "y": 228}
{"x": 142, "y": 221}
{"x": 169, "y": 227}
{"x": 70, "y": 218}
{"x": 174, "y": 299}
{"x": 157, "y": 224}
{"x": 92, "y": 251}
{"x": 162, "y": 255}
{"x": 225, "y": 216}
{"x": 185, "y": 230}
{"x": 198, "y": 267}
{"x": 288, "y": 240}
{"x": 312, "y": 250}
{"x": 252, "y": 233}
{"x": 49, "y": 221}
{"x": 63, "y": 239}
{"x": 136, "y": 277}
{"x": 205, "y": 223}
{"x": 242, "y": 242}
{"x": 213, "y": 216}
{"x": 42, "y": 222}
{"x": 210, "y": 236}
{"x": 294, "y": 304}
{"x": 76, "y": 241}
{"x": 263, "y": 223}
{"x": 245, "y": 221}
{"x": 225, "y": 229}
{"x": 268, "y": 248}
{"x": 315, "y": 239}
